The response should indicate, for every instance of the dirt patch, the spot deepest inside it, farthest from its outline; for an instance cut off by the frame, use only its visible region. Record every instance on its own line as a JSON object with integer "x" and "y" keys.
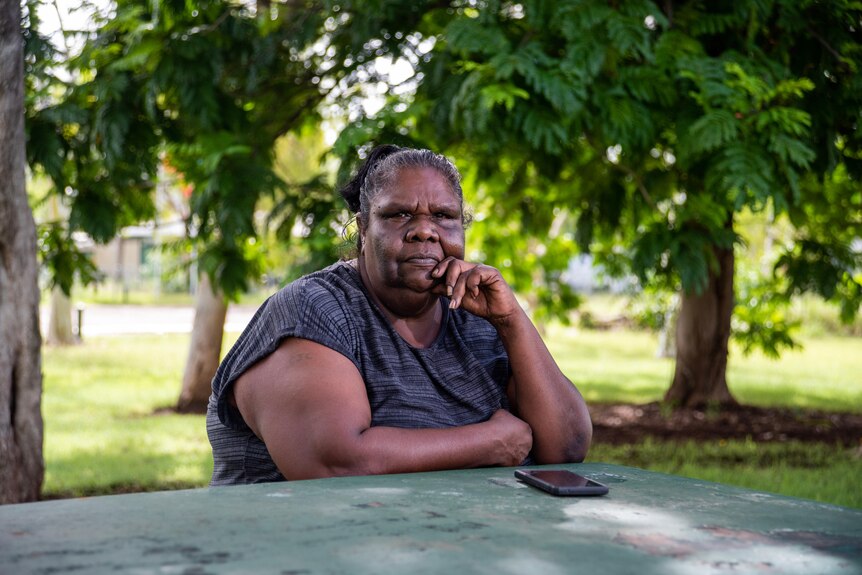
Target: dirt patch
{"x": 618, "y": 424}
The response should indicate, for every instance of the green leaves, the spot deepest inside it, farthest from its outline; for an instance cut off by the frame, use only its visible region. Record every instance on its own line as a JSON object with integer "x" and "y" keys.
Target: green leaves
{"x": 207, "y": 86}
{"x": 829, "y": 270}
{"x": 613, "y": 112}
{"x": 759, "y": 317}
{"x": 662, "y": 253}
{"x": 467, "y": 36}
{"x": 623, "y": 128}
{"x": 64, "y": 260}
{"x": 711, "y": 131}
{"x": 142, "y": 56}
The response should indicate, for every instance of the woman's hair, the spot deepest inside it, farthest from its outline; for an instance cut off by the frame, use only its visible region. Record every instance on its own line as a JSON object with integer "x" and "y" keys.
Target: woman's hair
{"x": 382, "y": 167}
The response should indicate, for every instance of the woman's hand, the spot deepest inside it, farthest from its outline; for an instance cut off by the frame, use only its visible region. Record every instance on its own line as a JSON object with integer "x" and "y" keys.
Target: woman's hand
{"x": 476, "y": 288}
{"x": 514, "y": 438}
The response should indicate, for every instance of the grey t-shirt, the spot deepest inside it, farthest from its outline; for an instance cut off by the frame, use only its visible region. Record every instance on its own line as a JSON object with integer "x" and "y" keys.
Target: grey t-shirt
{"x": 458, "y": 380}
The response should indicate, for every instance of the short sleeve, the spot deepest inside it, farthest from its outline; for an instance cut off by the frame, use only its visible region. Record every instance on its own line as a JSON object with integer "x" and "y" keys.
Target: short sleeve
{"x": 310, "y": 308}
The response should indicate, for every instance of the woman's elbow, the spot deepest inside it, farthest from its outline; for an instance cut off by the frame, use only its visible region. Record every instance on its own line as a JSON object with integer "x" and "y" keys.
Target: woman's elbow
{"x": 333, "y": 459}
{"x": 579, "y": 445}
{"x": 578, "y": 449}
{"x": 322, "y": 469}
{"x": 571, "y": 448}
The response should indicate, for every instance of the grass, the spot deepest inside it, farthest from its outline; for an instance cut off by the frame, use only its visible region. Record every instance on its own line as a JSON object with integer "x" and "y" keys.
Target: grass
{"x": 825, "y": 473}
{"x": 104, "y": 432}
{"x": 620, "y": 366}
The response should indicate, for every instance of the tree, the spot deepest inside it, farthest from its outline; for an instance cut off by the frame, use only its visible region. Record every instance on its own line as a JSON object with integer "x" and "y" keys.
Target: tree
{"x": 639, "y": 131}
{"x": 213, "y": 86}
{"x": 205, "y": 87}
{"x": 20, "y": 354}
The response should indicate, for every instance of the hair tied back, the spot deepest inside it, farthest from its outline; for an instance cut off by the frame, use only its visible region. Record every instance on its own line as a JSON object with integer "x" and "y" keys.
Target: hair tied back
{"x": 352, "y": 190}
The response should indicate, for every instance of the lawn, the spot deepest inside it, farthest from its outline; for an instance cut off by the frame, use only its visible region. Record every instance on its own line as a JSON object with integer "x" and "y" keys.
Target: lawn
{"x": 621, "y": 366}
{"x": 106, "y": 429}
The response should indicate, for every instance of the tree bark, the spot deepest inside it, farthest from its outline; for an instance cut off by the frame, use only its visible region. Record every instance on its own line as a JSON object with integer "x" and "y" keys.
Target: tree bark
{"x": 205, "y": 348}
{"x": 702, "y": 336}
{"x": 21, "y": 465}
{"x": 60, "y": 321}
{"x": 667, "y": 335}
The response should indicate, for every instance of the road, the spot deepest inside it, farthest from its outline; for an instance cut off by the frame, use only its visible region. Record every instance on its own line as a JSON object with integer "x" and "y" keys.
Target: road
{"x": 101, "y": 320}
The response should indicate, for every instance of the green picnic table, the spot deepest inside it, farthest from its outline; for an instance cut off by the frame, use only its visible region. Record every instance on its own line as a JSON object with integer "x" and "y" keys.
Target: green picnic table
{"x": 471, "y": 521}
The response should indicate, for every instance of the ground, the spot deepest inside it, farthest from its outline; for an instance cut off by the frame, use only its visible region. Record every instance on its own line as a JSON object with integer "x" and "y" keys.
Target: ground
{"x": 623, "y": 423}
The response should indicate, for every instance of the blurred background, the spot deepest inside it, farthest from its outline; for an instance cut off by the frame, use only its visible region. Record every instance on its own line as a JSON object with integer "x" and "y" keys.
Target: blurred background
{"x": 672, "y": 188}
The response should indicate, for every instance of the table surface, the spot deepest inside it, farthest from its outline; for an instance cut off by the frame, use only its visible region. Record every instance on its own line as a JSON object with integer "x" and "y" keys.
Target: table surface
{"x": 471, "y": 521}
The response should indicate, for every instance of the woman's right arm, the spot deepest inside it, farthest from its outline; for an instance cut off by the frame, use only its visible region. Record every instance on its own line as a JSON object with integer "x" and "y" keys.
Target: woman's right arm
{"x": 308, "y": 404}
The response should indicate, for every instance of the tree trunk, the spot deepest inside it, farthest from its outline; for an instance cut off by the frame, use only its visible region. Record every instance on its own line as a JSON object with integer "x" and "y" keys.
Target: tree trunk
{"x": 21, "y": 465}
{"x": 205, "y": 349}
{"x": 60, "y": 322}
{"x": 667, "y": 335}
{"x": 702, "y": 335}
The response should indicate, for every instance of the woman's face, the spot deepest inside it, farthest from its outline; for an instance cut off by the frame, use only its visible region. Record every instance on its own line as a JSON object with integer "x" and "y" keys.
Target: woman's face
{"x": 411, "y": 227}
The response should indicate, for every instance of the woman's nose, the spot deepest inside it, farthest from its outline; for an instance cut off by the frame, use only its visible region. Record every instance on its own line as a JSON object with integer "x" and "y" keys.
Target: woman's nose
{"x": 422, "y": 229}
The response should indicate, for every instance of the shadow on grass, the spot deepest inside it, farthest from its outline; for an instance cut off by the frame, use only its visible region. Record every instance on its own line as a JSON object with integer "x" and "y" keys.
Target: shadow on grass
{"x": 87, "y": 473}
{"x": 117, "y": 489}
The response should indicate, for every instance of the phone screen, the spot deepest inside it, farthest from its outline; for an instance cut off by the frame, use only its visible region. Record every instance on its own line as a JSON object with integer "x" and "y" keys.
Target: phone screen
{"x": 563, "y": 478}
{"x": 560, "y": 482}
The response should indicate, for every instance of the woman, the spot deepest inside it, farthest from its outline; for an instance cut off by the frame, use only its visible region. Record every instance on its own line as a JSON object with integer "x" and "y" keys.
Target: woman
{"x": 405, "y": 359}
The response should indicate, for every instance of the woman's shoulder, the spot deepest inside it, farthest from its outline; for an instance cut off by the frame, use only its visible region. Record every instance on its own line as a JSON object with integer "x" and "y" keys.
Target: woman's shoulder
{"x": 336, "y": 283}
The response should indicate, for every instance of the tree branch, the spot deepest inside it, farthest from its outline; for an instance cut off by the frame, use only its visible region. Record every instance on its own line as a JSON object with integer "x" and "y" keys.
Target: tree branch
{"x": 62, "y": 28}
{"x": 639, "y": 182}
{"x": 826, "y": 45}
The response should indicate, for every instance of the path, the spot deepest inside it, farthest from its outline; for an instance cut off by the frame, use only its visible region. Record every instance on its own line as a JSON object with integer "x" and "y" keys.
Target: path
{"x": 130, "y": 319}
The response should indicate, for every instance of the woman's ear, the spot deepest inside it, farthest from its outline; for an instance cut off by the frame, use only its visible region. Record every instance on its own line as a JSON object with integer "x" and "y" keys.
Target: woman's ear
{"x": 360, "y": 232}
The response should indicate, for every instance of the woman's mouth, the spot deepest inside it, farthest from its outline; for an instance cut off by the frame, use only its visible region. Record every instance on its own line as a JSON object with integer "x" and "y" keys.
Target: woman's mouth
{"x": 422, "y": 260}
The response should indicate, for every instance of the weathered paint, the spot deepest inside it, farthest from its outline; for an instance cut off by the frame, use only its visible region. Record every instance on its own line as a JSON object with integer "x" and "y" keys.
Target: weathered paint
{"x": 474, "y": 521}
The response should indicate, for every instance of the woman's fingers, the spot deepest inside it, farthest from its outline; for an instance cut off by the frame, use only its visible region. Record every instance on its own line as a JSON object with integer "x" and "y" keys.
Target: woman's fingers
{"x": 474, "y": 280}
{"x": 471, "y": 281}
{"x": 483, "y": 284}
{"x": 447, "y": 271}
{"x": 459, "y": 288}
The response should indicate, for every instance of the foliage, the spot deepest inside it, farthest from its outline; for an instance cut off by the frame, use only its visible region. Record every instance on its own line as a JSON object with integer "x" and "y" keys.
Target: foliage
{"x": 74, "y": 137}
{"x": 208, "y": 86}
{"x": 639, "y": 131}
{"x": 64, "y": 260}
{"x": 760, "y": 319}
{"x": 823, "y": 259}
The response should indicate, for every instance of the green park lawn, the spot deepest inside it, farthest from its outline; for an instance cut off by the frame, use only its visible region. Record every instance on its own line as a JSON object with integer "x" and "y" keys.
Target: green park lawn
{"x": 107, "y": 429}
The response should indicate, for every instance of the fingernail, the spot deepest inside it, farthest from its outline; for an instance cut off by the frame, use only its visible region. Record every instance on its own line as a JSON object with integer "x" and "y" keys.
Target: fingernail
{"x": 449, "y": 290}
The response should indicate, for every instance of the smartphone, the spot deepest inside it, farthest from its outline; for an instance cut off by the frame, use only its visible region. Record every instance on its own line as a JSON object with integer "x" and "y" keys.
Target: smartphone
{"x": 560, "y": 482}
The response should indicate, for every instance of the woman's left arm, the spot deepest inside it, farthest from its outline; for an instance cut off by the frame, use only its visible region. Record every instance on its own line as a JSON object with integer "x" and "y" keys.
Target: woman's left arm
{"x": 542, "y": 396}
{"x": 538, "y": 391}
